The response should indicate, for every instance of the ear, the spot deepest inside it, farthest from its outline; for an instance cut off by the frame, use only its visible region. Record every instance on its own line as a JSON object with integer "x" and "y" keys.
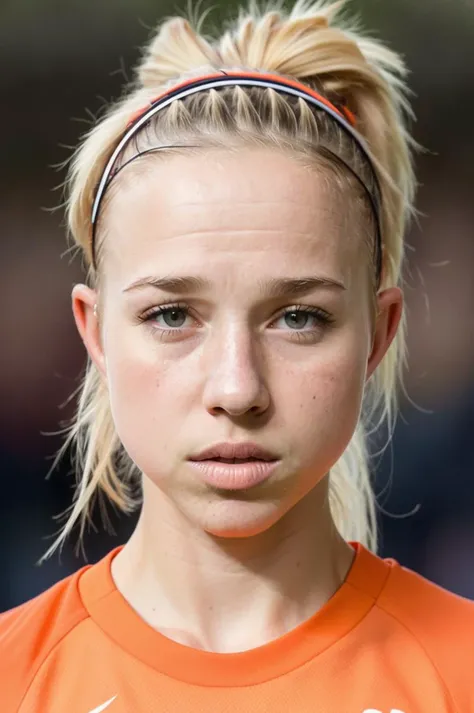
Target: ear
{"x": 389, "y": 313}
{"x": 84, "y": 301}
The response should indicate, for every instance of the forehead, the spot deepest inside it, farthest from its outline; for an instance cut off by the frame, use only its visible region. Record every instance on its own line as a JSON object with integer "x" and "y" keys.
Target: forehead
{"x": 215, "y": 209}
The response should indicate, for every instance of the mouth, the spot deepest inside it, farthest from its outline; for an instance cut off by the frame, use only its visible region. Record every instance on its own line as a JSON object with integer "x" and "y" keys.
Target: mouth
{"x": 234, "y": 461}
{"x": 235, "y": 452}
{"x": 234, "y": 466}
{"x": 236, "y": 475}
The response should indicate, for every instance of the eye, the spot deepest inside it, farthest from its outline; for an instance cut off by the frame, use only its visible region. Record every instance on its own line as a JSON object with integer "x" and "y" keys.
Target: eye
{"x": 303, "y": 319}
{"x": 172, "y": 317}
{"x": 297, "y": 319}
{"x": 168, "y": 317}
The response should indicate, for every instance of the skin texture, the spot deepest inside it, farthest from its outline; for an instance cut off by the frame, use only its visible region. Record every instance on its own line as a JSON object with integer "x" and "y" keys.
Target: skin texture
{"x": 230, "y": 571}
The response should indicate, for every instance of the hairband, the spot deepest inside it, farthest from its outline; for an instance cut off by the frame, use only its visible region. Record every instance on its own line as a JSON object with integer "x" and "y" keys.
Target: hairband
{"x": 227, "y": 78}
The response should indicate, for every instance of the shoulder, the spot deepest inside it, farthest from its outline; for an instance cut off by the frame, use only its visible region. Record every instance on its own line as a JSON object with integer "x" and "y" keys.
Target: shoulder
{"x": 441, "y": 622}
{"x": 30, "y": 632}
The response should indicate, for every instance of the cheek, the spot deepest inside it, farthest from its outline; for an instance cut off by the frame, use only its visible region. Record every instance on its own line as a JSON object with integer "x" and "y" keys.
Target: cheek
{"x": 321, "y": 398}
{"x": 148, "y": 397}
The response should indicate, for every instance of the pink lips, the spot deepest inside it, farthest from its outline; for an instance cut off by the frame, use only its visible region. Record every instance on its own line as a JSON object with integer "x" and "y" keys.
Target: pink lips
{"x": 234, "y": 466}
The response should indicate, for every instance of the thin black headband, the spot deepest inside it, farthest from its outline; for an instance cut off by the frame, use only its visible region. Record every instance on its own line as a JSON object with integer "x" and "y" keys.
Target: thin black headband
{"x": 249, "y": 80}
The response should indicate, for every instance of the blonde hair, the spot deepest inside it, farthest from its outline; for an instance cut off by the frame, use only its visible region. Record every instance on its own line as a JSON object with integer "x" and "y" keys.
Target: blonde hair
{"x": 313, "y": 44}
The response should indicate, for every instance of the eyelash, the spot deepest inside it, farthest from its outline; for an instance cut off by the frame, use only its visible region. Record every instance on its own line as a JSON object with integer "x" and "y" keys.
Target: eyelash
{"x": 321, "y": 315}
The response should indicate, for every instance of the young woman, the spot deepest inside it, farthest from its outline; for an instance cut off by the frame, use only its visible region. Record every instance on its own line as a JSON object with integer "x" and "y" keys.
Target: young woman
{"x": 242, "y": 214}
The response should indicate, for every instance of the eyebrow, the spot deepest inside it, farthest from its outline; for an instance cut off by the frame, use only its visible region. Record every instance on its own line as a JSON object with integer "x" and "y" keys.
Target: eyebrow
{"x": 274, "y": 288}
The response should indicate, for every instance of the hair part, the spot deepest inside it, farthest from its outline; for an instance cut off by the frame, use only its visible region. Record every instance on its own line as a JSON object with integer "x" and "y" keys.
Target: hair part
{"x": 312, "y": 44}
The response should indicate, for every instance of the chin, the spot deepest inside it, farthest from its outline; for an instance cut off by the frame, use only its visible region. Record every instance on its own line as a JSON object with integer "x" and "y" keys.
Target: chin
{"x": 239, "y": 519}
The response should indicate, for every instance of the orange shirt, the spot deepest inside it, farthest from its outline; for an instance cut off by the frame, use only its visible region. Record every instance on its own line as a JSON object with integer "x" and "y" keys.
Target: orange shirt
{"x": 387, "y": 642}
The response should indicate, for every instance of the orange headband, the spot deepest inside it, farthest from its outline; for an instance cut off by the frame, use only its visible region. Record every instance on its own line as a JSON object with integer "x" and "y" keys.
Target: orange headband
{"x": 283, "y": 82}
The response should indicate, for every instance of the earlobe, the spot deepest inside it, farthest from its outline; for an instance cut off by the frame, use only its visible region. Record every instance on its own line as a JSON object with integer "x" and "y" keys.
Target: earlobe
{"x": 389, "y": 313}
{"x": 84, "y": 307}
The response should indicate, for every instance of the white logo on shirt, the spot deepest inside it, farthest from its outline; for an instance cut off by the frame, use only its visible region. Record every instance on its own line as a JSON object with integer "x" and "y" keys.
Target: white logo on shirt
{"x": 111, "y": 700}
{"x": 372, "y": 710}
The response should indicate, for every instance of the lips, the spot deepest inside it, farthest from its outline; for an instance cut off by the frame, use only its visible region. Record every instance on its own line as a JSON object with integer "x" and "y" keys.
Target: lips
{"x": 234, "y": 460}
{"x": 234, "y": 453}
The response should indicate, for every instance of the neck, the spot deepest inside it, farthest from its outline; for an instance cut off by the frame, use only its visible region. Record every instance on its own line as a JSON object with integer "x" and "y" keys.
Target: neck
{"x": 231, "y": 594}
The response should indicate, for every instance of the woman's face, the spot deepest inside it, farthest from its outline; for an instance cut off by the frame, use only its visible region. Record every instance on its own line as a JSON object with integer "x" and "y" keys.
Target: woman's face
{"x": 234, "y": 308}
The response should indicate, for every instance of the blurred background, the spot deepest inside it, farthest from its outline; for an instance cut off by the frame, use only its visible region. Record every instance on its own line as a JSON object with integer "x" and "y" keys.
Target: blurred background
{"x": 60, "y": 62}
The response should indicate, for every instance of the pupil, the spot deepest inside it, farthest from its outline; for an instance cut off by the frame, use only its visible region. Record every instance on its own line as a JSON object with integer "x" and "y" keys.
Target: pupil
{"x": 296, "y": 320}
{"x": 174, "y": 317}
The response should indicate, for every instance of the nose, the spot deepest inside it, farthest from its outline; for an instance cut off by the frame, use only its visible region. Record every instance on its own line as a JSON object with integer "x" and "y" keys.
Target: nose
{"x": 234, "y": 382}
